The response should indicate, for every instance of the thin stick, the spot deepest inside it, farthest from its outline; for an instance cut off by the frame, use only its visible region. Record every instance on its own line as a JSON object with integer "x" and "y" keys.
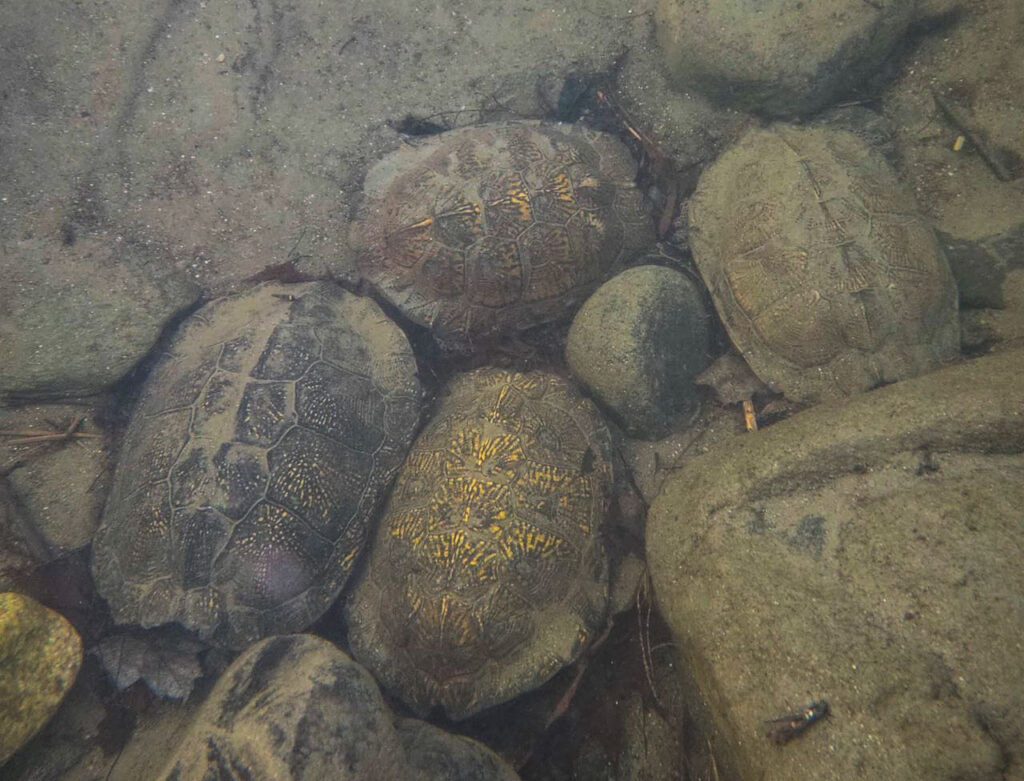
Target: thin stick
{"x": 38, "y": 436}
{"x": 714, "y": 764}
{"x": 33, "y": 439}
{"x": 643, "y": 617}
{"x": 987, "y": 152}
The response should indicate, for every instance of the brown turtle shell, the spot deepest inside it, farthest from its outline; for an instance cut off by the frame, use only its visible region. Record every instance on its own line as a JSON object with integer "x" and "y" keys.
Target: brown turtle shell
{"x": 828, "y": 279}
{"x": 488, "y": 573}
{"x": 486, "y": 230}
{"x": 254, "y": 463}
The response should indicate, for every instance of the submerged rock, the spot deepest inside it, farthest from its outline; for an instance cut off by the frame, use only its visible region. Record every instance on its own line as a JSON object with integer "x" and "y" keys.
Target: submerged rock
{"x": 59, "y": 486}
{"x": 981, "y": 265}
{"x": 40, "y": 653}
{"x": 78, "y": 317}
{"x": 780, "y": 57}
{"x": 866, "y": 554}
{"x": 987, "y": 329}
{"x": 297, "y": 707}
{"x": 638, "y": 344}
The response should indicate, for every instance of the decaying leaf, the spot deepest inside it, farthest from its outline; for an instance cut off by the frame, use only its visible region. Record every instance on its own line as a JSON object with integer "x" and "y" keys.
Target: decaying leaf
{"x": 167, "y": 663}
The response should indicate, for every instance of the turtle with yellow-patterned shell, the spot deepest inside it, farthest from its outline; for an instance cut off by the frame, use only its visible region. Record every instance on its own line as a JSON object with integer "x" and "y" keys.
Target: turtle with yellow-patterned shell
{"x": 483, "y": 231}
{"x": 489, "y": 573}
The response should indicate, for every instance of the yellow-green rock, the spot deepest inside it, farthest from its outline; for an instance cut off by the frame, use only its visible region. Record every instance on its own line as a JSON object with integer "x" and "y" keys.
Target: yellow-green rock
{"x": 40, "y": 653}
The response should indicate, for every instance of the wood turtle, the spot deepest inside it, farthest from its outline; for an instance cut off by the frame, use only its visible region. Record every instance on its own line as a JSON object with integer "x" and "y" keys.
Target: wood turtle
{"x": 826, "y": 276}
{"x": 487, "y": 230}
{"x": 254, "y": 462}
{"x": 489, "y": 572}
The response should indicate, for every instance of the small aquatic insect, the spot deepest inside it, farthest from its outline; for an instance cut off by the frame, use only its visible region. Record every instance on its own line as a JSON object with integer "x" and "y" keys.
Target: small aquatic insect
{"x": 785, "y": 728}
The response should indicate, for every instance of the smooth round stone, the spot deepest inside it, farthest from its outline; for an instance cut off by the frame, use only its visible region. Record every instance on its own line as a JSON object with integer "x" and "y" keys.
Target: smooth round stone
{"x": 40, "y": 653}
{"x": 638, "y": 343}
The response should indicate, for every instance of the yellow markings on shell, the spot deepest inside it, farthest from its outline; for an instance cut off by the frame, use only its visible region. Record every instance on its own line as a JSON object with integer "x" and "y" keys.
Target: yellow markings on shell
{"x": 520, "y": 538}
{"x": 349, "y": 558}
{"x": 426, "y": 222}
{"x": 408, "y": 527}
{"x": 454, "y": 627}
{"x": 427, "y": 462}
{"x": 157, "y": 522}
{"x": 405, "y": 245}
{"x": 260, "y": 410}
{"x": 547, "y": 477}
{"x": 561, "y": 187}
{"x": 595, "y": 222}
{"x": 447, "y": 547}
{"x": 488, "y": 447}
{"x": 306, "y": 483}
{"x": 519, "y": 200}
{"x": 470, "y": 501}
{"x": 484, "y": 501}
{"x": 481, "y": 449}
{"x": 446, "y": 602}
{"x": 464, "y": 489}
{"x": 494, "y": 415}
{"x": 459, "y": 224}
{"x": 456, "y": 551}
{"x": 493, "y": 454}
{"x": 466, "y": 209}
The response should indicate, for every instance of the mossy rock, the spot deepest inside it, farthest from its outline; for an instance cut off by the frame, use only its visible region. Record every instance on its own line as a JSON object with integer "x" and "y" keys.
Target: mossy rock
{"x": 40, "y": 653}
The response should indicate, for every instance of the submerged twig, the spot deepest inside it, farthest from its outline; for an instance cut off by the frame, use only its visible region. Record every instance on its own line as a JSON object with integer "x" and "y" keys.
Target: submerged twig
{"x": 992, "y": 155}
{"x": 39, "y": 436}
{"x": 643, "y": 617}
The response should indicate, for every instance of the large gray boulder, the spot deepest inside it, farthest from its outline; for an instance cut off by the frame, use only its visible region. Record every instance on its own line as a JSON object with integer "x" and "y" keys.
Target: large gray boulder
{"x": 780, "y": 57}
{"x": 76, "y": 318}
{"x": 297, "y": 707}
{"x": 867, "y": 554}
{"x": 235, "y": 136}
{"x": 81, "y": 301}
